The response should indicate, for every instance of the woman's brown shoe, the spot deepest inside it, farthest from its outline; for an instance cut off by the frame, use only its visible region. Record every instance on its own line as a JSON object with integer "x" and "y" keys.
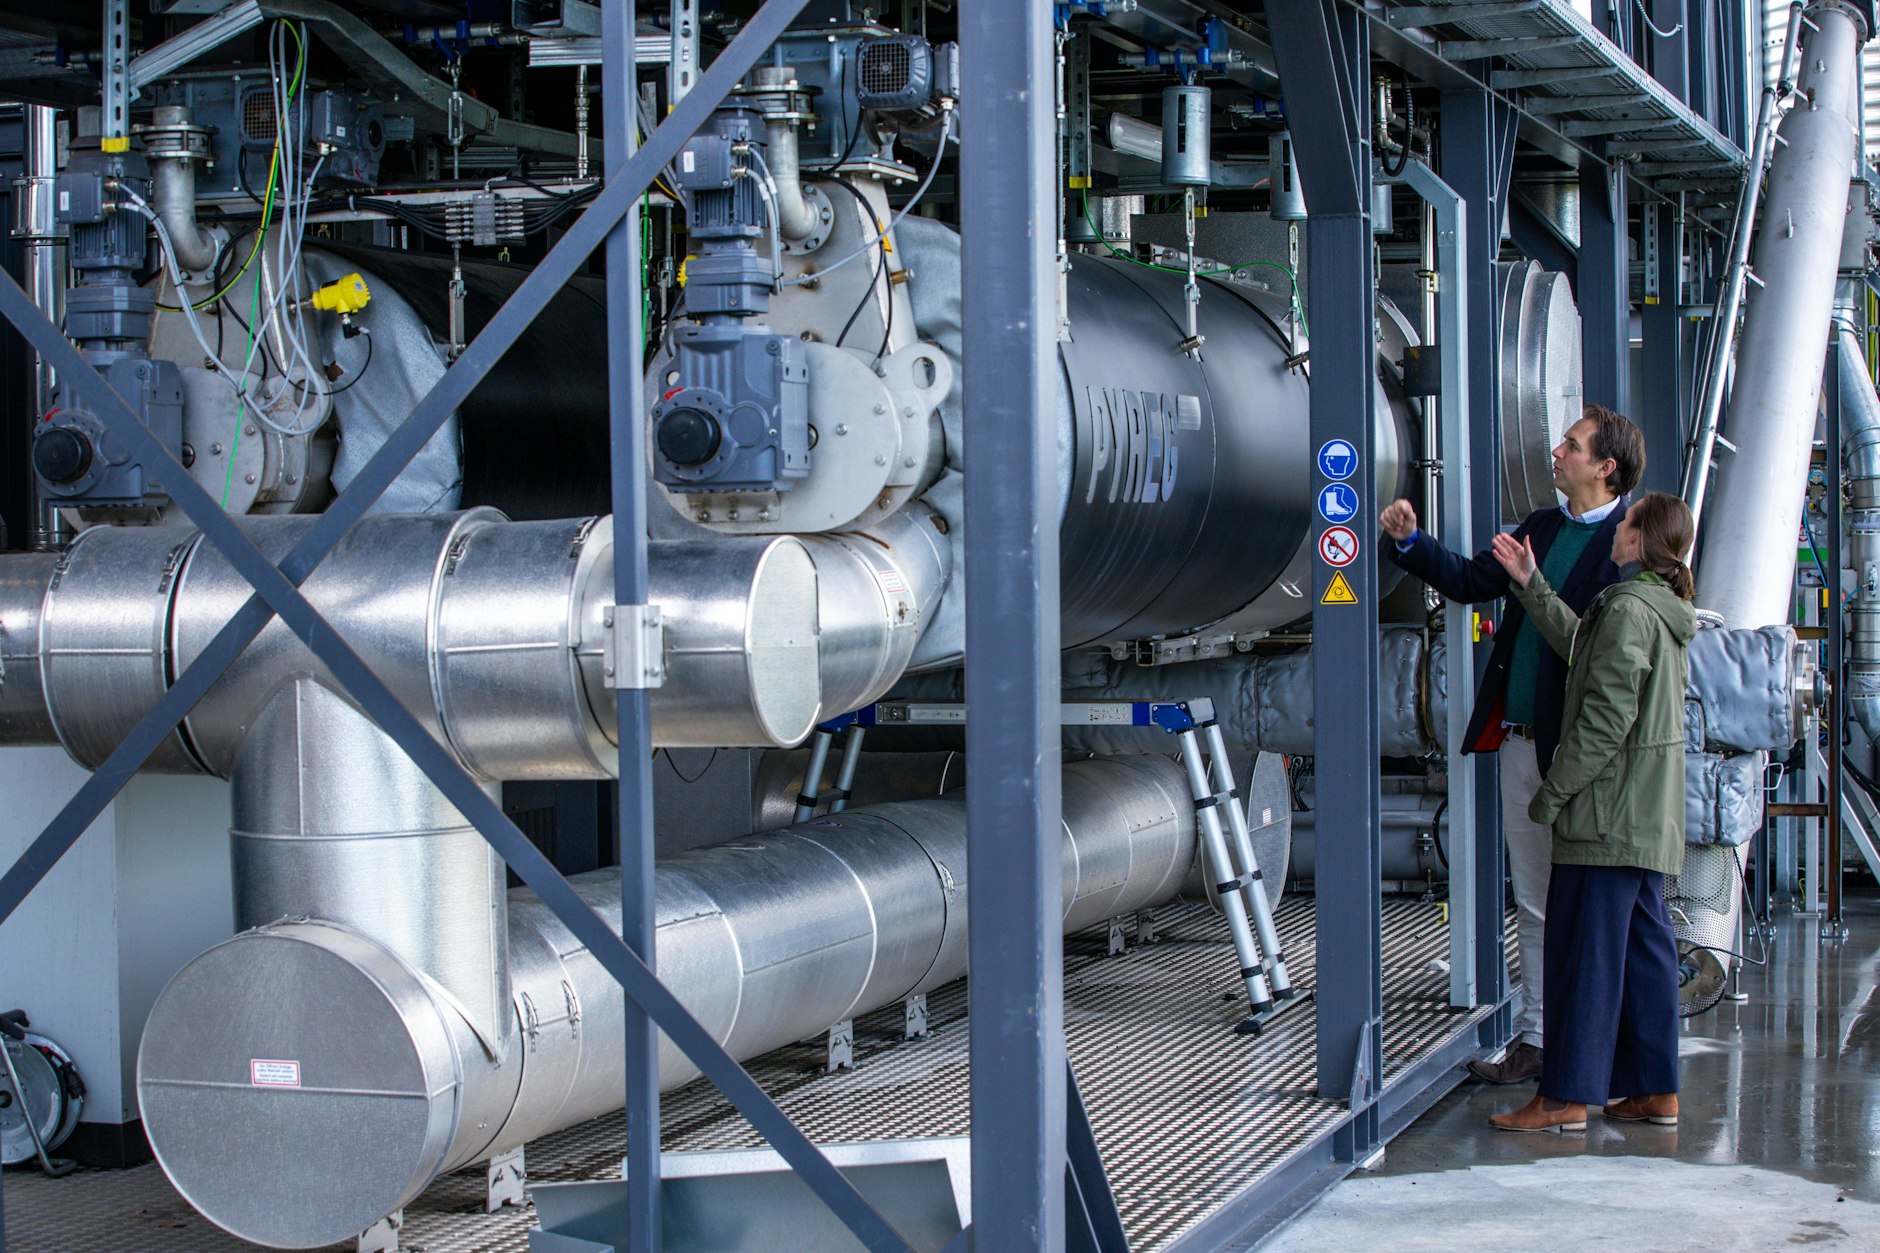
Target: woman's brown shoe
{"x": 1542, "y": 1114}
{"x": 1662, "y": 1109}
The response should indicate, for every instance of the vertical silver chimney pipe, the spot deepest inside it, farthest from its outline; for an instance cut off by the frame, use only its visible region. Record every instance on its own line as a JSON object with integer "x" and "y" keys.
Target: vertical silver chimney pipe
{"x": 35, "y": 227}
{"x": 1747, "y": 565}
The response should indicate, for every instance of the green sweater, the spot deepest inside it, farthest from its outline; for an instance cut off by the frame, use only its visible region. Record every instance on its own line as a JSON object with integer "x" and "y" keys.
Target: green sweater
{"x": 1524, "y": 667}
{"x": 1615, "y": 792}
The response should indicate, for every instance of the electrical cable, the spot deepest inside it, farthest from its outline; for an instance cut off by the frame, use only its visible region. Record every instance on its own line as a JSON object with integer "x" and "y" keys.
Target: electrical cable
{"x": 855, "y": 132}
{"x": 363, "y": 366}
{"x": 1652, "y": 26}
{"x": 695, "y": 778}
{"x": 1813, "y": 550}
{"x": 1403, "y": 153}
{"x": 880, "y": 266}
{"x": 227, "y": 252}
{"x": 188, "y": 310}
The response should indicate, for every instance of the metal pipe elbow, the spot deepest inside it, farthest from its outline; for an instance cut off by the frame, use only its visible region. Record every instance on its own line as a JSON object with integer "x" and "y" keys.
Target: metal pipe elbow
{"x": 796, "y": 217}
{"x": 173, "y": 195}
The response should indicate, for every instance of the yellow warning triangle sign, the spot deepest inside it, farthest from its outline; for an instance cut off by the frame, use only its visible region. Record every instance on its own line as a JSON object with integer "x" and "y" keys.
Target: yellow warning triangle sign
{"x": 1338, "y": 591}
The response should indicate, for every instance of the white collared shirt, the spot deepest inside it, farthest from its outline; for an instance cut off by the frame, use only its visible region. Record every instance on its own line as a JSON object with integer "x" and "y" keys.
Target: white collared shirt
{"x": 1597, "y": 514}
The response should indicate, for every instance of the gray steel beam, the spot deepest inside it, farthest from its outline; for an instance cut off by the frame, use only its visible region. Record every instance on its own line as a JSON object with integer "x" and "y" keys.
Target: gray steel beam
{"x": 1603, "y": 273}
{"x": 626, "y": 403}
{"x": 1009, "y": 305}
{"x": 114, "y": 75}
{"x": 1478, "y": 161}
{"x": 1664, "y": 335}
{"x": 1456, "y": 528}
{"x": 1325, "y": 51}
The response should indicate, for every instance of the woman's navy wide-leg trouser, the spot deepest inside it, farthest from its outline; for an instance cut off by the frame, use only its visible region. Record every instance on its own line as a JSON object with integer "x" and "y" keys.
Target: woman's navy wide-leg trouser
{"x": 1610, "y": 996}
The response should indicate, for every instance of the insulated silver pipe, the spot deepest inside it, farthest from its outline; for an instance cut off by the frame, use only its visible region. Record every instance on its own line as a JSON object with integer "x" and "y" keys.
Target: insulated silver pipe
{"x": 876, "y": 592}
{"x": 1747, "y": 564}
{"x": 333, "y": 821}
{"x": 367, "y": 1084}
{"x": 1736, "y": 274}
{"x": 1860, "y": 445}
{"x": 490, "y": 632}
{"x": 24, "y": 718}
{"x": 36, "y": 227}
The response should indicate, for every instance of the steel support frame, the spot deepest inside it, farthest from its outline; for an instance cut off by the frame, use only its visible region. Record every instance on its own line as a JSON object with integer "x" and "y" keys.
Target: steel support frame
{"x": 1325, "y": 49}
{"x": 1009, "y": 228}
{"x": 1478, "y": 161}
{"x": 1455, "y": 526}
{"x": 1604, "y": 270}
{"x": 626, "y": 416}
{"x": 1833, "y": 616}
{"x": 277, "y": 592}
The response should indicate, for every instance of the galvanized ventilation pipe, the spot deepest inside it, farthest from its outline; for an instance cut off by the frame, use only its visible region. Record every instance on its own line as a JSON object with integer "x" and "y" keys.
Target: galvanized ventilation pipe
{"x": 491, "y": 632}
{"x": 370, "y": 1084}
{"x": 1747, "y": 564}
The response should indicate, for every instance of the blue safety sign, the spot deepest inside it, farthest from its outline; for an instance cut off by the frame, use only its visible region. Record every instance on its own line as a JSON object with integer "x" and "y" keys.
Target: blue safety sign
{"x": 1337, "y": 459}
{"x": 1338, "y": 502}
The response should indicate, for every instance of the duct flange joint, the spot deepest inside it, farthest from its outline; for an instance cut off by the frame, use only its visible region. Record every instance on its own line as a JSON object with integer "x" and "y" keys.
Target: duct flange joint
{"x": 636, "y": 647}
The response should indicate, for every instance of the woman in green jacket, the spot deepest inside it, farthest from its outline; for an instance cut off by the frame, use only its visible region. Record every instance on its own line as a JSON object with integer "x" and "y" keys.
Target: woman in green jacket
{"x": 1615, "y": 798}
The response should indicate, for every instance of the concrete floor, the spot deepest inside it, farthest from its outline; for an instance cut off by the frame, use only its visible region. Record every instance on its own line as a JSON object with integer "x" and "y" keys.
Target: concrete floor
{"x": 1778, "y": 1144}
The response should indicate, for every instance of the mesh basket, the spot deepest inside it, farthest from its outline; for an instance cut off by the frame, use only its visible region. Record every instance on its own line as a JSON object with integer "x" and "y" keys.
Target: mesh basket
{"x": 1705, "y": 900}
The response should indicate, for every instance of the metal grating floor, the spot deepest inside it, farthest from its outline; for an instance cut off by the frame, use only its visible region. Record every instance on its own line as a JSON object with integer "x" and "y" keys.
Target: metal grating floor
{"x": 1187, "y": 1114}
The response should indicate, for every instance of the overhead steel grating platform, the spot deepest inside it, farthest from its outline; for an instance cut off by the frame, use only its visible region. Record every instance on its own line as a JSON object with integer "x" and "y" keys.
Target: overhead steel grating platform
{"x": 1573, "y": 79}
{"x": 1189, "y": 1116}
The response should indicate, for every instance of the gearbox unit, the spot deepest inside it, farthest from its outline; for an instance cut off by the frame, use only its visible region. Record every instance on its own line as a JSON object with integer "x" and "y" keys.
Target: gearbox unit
{"x": 735, "y": 412}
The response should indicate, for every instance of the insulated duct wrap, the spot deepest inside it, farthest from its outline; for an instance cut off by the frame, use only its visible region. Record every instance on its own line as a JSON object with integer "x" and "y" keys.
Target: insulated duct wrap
{"x": 1747, "y": 689}
{"x": 1180, "y": 501}
{"x": 1723, "y": 797}
{"x": 766, "y": 940}
{"x": 1264, "y": 703}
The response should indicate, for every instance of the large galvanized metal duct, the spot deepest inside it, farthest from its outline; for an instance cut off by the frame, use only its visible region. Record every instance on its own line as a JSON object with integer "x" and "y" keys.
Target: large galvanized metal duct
{"x": 489, "y": 631}
{"x": 301, "y": 1080}
{"x": 1746, "y": 558}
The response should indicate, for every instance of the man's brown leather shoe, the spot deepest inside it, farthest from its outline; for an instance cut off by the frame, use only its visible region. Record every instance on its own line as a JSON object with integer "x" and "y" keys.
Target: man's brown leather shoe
{"x": 1542, "y": 1114}
{"x": 1662, "y": 1109}
{"x": 1520, "y": 1064}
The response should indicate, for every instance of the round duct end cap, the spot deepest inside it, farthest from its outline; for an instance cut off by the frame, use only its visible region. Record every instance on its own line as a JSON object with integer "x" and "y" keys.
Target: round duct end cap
{"x": 297, "y": 1084}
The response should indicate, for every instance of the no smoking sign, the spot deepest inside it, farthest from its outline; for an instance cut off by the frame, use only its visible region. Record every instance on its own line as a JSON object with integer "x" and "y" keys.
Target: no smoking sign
{"x": 1338, "y": 546}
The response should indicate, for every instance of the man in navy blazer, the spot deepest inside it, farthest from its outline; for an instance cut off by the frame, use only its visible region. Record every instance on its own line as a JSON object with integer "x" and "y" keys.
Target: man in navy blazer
{"x": 1518, "y": 701}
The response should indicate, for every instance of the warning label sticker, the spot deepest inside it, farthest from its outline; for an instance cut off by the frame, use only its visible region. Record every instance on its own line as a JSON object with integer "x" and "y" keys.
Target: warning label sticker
{"x": 1338, "y": 591}
{"x": 263, "y": 1073}
{"x": 1338, "y": 546}
{"x": 891, "y": 581}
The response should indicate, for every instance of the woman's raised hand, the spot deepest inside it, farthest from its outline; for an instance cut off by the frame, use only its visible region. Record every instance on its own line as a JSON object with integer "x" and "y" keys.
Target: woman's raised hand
{"x": 1516, "y": 558}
